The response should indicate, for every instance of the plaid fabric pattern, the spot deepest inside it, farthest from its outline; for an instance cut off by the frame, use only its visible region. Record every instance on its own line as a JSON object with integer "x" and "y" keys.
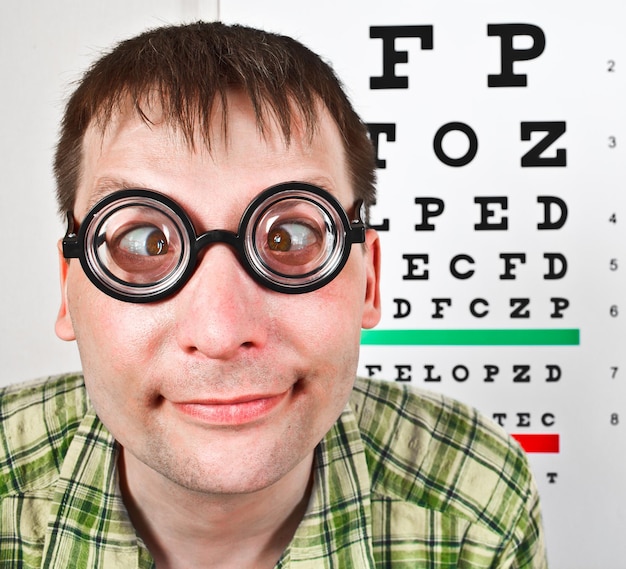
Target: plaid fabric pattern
{"x": 403, "y": 479}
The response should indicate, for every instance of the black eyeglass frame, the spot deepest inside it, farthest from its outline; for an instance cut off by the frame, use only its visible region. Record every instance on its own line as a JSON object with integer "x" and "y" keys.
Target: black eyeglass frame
{"x": 75, "y": 243}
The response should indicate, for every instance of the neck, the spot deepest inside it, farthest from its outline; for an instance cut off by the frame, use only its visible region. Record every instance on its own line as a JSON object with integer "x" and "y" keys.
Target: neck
{"x": 185, "y": 528}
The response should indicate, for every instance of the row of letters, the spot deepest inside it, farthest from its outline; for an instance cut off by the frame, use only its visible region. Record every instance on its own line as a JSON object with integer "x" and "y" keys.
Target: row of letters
{"x": 491, "y": 214}
{"x": 510, "y": 52}
{"x": 489, "y": 373}
{"x": 520, "y": 308}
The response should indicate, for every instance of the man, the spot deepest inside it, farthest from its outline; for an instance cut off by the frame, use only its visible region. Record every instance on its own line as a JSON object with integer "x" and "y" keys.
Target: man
{"x": 216, "y": 274}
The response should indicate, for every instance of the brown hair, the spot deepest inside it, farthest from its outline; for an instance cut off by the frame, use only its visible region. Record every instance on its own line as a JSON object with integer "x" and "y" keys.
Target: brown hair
{"x": 185, "y": 69}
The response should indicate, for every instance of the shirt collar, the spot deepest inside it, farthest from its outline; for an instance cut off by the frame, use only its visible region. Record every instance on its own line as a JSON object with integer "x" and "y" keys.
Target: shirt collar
{"x": 88, "y": 524}
{"x": 336, "y": 528}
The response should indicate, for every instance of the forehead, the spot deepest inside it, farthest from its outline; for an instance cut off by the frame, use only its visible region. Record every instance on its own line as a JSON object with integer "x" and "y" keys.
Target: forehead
{"x": 141, "y": 147}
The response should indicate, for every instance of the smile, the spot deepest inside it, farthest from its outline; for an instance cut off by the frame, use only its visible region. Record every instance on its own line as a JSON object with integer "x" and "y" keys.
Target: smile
{"x": 233, "y": 412}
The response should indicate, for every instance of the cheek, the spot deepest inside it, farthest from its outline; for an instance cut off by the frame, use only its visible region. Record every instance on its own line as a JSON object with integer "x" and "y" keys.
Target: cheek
{"x": 326, "y": 319}
{"x": 325, "y": 325}
{"x": 115, "y": 339}
{"x": 115, "y": 350}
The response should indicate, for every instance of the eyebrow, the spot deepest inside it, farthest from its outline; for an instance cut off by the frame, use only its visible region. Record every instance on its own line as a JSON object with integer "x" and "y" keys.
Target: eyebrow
{"x": 319, "y": 181}
{"x": 107, "y": 185}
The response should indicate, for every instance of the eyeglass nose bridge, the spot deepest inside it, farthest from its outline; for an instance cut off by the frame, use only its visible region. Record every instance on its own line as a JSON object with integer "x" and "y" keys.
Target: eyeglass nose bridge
{"x": 230, "y": 238}
{"x": 217, "y": 236}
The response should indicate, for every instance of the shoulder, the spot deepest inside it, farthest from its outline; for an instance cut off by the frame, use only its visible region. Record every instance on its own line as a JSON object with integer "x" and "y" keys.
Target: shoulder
{"x": 440, "y": 454}
{"x": 37, "y": 422}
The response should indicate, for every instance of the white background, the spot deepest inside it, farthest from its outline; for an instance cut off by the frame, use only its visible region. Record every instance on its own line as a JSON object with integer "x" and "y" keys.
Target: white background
{"x": 45, "y": 46}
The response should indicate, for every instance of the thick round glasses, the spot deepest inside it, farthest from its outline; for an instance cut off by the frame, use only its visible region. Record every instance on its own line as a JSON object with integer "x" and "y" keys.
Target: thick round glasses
{"x": 138, "y": 245}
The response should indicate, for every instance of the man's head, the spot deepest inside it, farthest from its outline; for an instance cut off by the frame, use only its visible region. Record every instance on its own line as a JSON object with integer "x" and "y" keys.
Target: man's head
{"x": 226, "y": 385}
{"x": 186, "y": 70}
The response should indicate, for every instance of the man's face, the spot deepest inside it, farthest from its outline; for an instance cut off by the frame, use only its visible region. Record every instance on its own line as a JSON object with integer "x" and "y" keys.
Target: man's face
{"x": 225, "y": 386}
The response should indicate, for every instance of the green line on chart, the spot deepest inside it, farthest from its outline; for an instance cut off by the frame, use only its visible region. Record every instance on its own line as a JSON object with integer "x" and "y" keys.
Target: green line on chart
{"x": 472, "y": 337}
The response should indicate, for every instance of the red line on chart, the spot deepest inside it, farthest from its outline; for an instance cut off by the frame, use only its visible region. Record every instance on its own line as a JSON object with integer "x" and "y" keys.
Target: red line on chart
{"x": 539, "y": 443}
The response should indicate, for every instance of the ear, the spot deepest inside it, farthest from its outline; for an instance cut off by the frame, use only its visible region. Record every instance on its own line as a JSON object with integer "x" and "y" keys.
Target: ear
{"x": 371, "y": 309}
{"x": 64, "y": 327}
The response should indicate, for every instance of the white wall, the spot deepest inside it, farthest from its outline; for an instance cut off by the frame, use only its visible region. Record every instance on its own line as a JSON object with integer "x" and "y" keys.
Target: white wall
{"x": 44, "y": 46}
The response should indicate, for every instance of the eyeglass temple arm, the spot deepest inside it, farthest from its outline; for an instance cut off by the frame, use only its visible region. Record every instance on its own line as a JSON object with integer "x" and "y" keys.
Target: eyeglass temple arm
{"x": 71, "y": 247}
{"x": 357, "y": 225}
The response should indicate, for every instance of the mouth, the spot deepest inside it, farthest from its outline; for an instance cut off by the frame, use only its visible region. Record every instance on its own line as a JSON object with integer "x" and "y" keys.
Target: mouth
{"x": 232, "y": 412}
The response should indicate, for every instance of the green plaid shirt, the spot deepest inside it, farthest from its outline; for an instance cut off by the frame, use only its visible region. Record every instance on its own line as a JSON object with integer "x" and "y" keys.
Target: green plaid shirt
{"x": 403, "y": 479}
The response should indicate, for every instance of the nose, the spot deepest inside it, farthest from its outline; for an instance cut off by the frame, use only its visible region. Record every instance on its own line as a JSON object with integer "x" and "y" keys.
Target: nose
{"x": 221, "y": 311}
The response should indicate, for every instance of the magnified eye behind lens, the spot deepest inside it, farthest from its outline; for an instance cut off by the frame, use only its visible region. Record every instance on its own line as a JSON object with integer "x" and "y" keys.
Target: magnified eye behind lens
{"x": 145, "y": 240}
{"x": 135, "y": 242}
{"x": 291, "y": 237}
{"x": 138, "y": 254}
{"x": 294, "y": 241}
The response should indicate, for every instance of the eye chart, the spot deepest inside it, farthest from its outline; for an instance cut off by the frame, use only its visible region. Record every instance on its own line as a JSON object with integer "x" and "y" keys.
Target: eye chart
{"x": 501, "y": 143}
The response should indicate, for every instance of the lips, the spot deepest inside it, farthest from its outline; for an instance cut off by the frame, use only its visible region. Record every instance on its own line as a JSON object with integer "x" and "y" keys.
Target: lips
{"x": 238, "y": 411}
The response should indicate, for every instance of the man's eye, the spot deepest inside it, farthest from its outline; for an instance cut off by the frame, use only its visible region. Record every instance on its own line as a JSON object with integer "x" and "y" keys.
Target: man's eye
{"x": 148, "y": 241}
{"x": 291, "y": 237}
